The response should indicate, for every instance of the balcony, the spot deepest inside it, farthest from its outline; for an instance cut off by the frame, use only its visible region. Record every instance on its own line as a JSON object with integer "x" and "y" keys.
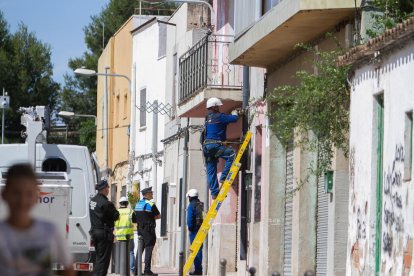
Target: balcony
{"x": 205, "y": 72}
{"x": 273, "y": 37}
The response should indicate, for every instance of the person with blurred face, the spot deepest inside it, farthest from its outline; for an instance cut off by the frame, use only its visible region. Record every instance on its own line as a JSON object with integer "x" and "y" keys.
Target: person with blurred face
{"x": 28, "y": 246}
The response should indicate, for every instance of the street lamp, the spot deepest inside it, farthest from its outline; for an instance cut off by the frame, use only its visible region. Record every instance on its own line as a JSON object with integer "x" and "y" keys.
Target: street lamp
{"x": 70, "y": 115}
{"x": 89, "y": 73}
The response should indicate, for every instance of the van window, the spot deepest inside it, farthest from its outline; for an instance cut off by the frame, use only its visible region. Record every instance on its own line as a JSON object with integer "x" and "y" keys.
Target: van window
{"x": 54, "y": 165}
{"x": 78, "y": 180}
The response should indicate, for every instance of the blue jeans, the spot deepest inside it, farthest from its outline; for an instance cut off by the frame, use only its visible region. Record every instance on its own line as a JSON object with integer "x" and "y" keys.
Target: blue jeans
{"x": 131, "y": 255}
{"x": 198, "y": 261}
{"x": 212, "y": 153}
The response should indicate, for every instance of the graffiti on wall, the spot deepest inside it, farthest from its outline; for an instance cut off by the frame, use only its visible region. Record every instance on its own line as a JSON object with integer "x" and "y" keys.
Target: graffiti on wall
{"x": 393, "y": 203}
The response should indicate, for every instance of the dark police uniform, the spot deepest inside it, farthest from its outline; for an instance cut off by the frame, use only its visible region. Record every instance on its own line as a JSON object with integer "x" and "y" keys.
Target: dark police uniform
{"x": 146, "y": 211}
{"x": 103, "y": 214}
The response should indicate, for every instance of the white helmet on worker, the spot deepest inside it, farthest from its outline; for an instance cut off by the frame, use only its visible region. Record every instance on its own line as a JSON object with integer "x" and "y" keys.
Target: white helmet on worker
{"x": 123, "y": 199}
{"x": 192, "y": 193}
{"x": 213, "y": 102}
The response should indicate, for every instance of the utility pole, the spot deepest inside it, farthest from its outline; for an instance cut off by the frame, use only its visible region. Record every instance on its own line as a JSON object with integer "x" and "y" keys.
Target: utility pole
{"x": 183, "y": 201}
{"x": 154, "y": 148}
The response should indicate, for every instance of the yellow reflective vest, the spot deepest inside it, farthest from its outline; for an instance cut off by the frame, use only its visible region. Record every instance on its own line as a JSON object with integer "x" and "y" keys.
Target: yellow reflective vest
{"x": 123, "y": 226}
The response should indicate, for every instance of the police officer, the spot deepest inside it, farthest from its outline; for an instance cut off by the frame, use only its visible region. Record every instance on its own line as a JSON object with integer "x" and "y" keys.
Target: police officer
{"x": 194, "y": 221}
{"x": 214, "y": 147}
{"x": 103, "y": 214}
{"x": 147, "y": 212}
{"x": 124, "y": 229}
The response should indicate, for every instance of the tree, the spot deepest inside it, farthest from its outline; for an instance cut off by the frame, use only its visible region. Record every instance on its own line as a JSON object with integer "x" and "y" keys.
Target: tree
{"x": 390, "y": 13}
{"x": 26, "y": 74}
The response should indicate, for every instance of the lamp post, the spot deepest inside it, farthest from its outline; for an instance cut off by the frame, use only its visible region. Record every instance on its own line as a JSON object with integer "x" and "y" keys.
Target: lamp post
{"x": 89, "y": 73}
{"x": 70, "y": 115}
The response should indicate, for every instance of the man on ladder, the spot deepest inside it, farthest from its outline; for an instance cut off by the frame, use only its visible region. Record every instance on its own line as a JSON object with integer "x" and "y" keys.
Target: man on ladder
{"x": 214, "y": 147}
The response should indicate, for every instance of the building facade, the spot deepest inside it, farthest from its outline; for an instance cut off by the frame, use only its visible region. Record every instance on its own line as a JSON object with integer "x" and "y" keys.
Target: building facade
{"x": 380, "y": 232}
{"x": 114, "y": 106}
{"x": 284, "y": 233}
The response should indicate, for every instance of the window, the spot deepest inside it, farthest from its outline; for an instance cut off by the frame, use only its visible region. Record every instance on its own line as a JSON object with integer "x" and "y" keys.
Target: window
{"x": 181, "y": 203}
{"x": 143, "y": 112}
{"x": 117, "y": 111}
{"x": 162, "y": 40}
{"x": 123, "y": 191}
{"x": 54, "y": 165}
{"x": 258, "y": 175}
{"x": 164, "y": 211}
{"x": 113, "y": 193}
{"x": 125, "y": 109}
{"x": 408, "y": 145}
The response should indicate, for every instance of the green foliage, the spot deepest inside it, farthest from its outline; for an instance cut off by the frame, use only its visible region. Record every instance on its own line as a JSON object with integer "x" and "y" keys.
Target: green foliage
{"x": 319, "y": 104}
{"x": 389, "y": 13}
{"x": 26, "y": 73}
{"x": 87, "y": 134}
{"x": 133, "y": 198}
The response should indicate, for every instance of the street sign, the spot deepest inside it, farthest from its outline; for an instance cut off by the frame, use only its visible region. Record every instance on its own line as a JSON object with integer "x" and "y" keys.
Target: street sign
{"x": 4, "y": 102}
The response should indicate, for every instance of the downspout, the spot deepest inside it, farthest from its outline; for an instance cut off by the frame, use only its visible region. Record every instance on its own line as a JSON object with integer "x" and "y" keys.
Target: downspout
{"x": 132, "y": 130}
{"x": 243, "y": 169}
{"x": 105, "y": 120}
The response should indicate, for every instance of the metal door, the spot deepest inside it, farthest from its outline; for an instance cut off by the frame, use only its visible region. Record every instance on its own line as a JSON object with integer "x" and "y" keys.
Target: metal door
{"x": 322, "y": 229}
{"x": 287, "y": 233}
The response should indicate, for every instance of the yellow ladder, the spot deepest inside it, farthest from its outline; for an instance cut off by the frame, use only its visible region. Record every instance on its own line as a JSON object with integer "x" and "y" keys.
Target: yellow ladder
{"x": 215, "y": 206}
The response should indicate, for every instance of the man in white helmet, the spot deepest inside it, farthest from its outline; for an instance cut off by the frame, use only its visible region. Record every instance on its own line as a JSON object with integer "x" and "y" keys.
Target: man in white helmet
{"x": 213, "y": 146}
{"x": 195, "y": 215}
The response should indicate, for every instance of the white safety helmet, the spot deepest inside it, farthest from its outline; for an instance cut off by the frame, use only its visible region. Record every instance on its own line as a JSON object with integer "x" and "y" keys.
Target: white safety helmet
{"x": 123, "y": 199}
{"x": 192, "y": 193}
{"x": 213, "y": 102}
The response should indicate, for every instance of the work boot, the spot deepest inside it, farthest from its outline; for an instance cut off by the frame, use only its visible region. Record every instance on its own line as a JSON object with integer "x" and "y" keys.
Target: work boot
{"x": 149, "y": 272}
{"x": 196, "y": 273}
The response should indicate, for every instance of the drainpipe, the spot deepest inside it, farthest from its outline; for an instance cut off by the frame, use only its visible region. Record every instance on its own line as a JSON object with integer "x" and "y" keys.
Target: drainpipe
{"x": 132, "y": 131}
{"x": 154, "y": 148}
{"x": 243, "y": 191}
{"x": 183, "y": 201}
{"x": 105, "y": 119}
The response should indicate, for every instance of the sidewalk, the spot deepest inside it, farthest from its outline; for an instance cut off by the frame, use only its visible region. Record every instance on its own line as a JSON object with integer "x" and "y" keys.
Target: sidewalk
{"x": 159, "y": 271}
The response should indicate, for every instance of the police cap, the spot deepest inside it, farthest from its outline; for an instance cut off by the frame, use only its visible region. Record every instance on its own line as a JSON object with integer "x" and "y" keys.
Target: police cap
{"x": 146, "y": 190}
{"x": 102, "y": 185}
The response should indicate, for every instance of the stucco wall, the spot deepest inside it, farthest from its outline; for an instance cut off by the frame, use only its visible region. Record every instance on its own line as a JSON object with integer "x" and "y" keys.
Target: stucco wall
{"x": 391, "y": 75}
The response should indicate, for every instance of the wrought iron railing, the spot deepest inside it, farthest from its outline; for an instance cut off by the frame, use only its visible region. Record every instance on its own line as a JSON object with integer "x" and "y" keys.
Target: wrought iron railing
{"x": 206, "y": 64}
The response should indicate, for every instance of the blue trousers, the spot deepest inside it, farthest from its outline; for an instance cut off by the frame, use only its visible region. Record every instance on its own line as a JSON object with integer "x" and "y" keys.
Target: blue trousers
{"x": 131, "y": 255}
{"x": 212, "y": 152}
{"x": 198, "y": 261}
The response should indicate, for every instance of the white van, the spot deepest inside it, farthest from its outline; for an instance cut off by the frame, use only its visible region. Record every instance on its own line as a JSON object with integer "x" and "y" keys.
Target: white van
{"x": 67, "y": 170}
{"x": 77, "y": 170}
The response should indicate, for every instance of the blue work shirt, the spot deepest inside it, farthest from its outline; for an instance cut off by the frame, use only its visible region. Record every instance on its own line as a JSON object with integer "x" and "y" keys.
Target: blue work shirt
{"x": 216, "y": 125}
{"x": 192, "y": 215}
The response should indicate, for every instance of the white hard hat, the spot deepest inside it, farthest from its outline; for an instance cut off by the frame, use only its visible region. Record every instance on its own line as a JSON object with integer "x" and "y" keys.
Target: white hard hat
{"x": 123, "y": 199}
{"x": 213, "y": 102}
{"x": 192, "y": 193}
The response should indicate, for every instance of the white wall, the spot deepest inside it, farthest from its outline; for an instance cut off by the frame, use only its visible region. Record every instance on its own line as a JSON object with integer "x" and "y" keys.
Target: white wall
{"x": 393, "y": 77}
{"x": 150, "y": 74}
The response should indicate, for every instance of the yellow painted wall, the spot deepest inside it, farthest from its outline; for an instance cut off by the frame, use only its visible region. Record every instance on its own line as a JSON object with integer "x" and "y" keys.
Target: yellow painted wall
{"x": 118, "y": 56}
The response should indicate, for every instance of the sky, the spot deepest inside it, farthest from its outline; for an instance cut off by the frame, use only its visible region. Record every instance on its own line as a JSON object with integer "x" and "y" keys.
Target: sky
{"x": 58, "y": 23}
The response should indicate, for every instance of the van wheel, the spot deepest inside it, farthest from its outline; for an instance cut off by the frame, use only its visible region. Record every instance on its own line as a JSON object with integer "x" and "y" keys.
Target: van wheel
{"x": 83, "y": 273}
